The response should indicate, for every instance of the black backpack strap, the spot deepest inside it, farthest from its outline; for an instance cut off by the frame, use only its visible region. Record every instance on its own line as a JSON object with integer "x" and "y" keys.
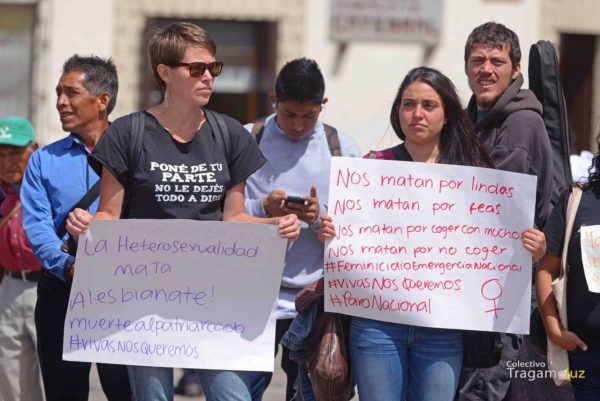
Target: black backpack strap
{"x": 218, "y": 127}
{"x": 84, "y": 203}
{"x": 333, "y": 140}
{"x": 258, "y": 129}
{"x": 133, "y": 158}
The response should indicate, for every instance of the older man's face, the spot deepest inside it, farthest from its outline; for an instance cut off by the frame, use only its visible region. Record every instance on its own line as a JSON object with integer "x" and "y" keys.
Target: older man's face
{"x": 13, "y": 161}
{"x": 77, "y": 107}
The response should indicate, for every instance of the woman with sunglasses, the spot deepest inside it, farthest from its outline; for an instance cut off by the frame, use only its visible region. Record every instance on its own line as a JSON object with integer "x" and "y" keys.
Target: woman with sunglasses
{"x": 177, "y": 137}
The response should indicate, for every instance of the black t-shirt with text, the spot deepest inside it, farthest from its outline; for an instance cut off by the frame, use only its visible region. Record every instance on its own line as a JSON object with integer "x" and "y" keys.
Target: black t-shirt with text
{"x": 583, "y": 306}
{"x": 174, "y": 179}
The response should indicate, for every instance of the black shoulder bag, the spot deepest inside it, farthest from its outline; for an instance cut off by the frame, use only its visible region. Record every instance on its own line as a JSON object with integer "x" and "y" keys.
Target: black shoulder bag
{"x": 133, "y": 159}
{"x": 70, "y": 245}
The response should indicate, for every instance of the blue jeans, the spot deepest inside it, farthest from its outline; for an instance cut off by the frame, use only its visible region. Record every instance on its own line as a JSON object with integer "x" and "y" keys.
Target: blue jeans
{"x": 295, "y": 341}
{"x": 586, "y": 363}
{"x": 259, "y": 381}
{"x": 396, "y": 362}
{"x": 150, "y": 383}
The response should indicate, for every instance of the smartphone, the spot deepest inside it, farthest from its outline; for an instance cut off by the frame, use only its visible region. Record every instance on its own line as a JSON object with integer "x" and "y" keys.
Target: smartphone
{"x": 296, "y": 199}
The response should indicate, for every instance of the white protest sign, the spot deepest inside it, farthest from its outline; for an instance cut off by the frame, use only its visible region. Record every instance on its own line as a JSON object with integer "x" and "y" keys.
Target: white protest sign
{"x": 430, "y": 244}
{"x": 590, "y": 254}
{"x": 175, "y": 293}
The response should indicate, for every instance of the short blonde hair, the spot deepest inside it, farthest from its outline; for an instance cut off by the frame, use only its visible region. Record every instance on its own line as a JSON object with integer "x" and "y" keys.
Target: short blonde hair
{"x": 168, "y": 45}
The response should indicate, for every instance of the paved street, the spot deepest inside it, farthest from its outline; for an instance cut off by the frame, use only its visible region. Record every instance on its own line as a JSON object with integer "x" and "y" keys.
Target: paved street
{"x": 275, "y": 392}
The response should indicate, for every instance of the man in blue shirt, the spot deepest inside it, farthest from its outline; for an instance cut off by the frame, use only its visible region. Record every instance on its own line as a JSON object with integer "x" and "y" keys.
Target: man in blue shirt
{"x": 56, "y": 178}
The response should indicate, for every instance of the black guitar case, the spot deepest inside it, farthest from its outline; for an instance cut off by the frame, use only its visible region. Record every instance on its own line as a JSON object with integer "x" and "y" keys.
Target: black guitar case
{"x": 544, "y": 81}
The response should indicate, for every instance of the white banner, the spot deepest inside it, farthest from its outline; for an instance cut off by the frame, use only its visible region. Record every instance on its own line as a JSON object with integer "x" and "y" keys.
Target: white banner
{"x": 430, "y": 244}
{"x": 175, "y": 293}
{"x": 590, "y": 252}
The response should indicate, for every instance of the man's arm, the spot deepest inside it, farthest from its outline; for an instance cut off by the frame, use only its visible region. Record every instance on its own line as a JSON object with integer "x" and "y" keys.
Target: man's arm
{"x": 523, "y": 146}
{"x": 255, "y": 207}
{"x": 38, "y": 223}
{"x": 233, "y": 210}
{"x": 109, "y": 207}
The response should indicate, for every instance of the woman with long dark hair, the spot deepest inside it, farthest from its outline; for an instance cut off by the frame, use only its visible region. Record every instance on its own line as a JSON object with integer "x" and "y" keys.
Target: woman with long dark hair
{"x": 393, "y": 361}
{"x": 432, "y": 99}
{"x": 582, "y": 338}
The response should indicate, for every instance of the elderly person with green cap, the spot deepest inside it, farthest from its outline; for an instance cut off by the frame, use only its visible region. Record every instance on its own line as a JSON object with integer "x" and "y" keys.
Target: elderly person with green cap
{"x": 20, "y": 377}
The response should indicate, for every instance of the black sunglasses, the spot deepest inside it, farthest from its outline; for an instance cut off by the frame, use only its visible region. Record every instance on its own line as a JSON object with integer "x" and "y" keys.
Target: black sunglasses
{"x": 197, "y": 69}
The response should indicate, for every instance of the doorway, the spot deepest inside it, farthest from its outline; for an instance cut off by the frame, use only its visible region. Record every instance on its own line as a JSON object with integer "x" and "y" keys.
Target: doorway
{"x": 577, "y": 56}
{"x": 247, "y": 48}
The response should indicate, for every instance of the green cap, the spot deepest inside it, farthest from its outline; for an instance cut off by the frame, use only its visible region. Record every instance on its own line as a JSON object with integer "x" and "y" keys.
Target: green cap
{"x": 16, "y": 131}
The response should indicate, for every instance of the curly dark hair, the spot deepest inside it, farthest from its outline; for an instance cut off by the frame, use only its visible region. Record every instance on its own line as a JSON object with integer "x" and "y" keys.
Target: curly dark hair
{"x": 458, "y": 142}
{"x": 593, "y": 180}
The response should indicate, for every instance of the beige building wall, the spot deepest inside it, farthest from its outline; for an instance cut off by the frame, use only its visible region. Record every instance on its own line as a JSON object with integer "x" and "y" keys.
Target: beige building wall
{"x": 62, "y": 28}
{"x": 576, "y": 17}
{"x": 130, "y": 18}
{"x": 571, "y": 16}
{"x": 362, "y": 81}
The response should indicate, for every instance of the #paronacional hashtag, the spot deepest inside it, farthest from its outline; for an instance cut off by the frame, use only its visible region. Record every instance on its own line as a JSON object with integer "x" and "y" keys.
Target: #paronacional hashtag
{"x": 335, "y": 300}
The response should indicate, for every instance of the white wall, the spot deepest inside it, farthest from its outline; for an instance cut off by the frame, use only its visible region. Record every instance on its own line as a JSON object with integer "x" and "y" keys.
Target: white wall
{"x": 362, "y": 91}
{"x": 65, "y": 27}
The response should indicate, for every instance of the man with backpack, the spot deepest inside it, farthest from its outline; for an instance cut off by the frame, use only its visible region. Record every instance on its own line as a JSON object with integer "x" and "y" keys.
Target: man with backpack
{"x": 510, "y": 125}
{"x": 57, "y": 178}
{"x": 298, "y": 147}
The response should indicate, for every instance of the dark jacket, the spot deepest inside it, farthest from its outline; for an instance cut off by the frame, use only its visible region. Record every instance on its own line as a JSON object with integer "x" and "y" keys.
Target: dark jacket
{"x": 514, "y": 134}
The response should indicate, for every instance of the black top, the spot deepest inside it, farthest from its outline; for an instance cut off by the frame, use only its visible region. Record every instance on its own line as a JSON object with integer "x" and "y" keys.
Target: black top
{"x": 397, "y": 152}
{"x": 174, "y": 179}
{"x": 401, "y": 154}
{"x": 583, "y": 306}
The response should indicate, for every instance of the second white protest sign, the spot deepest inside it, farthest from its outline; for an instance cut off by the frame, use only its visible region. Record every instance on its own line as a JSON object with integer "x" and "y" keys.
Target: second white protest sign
{"x": 430, "y": 244}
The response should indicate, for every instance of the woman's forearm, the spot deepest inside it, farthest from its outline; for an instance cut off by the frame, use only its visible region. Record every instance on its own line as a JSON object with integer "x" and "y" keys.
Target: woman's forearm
{"x": 547, "y": 302}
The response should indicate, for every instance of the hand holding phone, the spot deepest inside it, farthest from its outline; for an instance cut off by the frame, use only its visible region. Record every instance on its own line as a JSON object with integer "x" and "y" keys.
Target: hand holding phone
{"x": 306, "y": 208}
{"x": 296, "y": 199}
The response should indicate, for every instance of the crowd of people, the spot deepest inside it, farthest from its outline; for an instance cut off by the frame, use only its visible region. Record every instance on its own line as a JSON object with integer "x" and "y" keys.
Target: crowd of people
{"x": 273, "y": 171}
